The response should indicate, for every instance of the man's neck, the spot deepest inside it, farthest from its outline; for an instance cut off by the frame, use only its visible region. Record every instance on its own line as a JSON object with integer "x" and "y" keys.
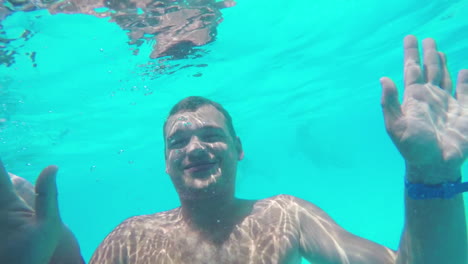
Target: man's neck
{"x": 216, "y": 216}
{"x": 209, "y": 212}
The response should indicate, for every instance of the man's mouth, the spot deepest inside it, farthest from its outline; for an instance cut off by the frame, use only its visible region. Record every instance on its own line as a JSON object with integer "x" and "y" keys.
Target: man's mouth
{"x": 199, "y": 166}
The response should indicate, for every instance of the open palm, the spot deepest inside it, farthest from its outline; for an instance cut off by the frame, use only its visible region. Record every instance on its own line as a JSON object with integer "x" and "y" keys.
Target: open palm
{"x": 430, "y": 127}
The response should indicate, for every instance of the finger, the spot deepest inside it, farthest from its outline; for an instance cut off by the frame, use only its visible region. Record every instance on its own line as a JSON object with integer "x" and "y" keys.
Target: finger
{"x": 6, "y": 187}
{"x": 24, "y": 189}
{"x": 446, "y": 80}
{"x": 432, "y": 66}
{"x": 46, "y": 195}
{"x": 412, "y": 68}
{"x": 390, "y": 105}
{"x": 462, "y": 88}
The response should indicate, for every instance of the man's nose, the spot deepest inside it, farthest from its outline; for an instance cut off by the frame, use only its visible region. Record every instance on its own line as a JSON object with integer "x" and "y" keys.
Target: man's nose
{"x": 196, "y": 147}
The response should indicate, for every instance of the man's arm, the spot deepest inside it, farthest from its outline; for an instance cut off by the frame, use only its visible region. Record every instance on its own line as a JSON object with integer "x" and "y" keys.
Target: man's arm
{"x": 435, "y": 231}
{"x": 323, "y": 241}
{"x": 430, "y": 129}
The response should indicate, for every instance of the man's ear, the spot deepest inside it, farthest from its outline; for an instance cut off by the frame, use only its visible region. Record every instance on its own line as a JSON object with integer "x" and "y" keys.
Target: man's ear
{"x": 239, "y": 149}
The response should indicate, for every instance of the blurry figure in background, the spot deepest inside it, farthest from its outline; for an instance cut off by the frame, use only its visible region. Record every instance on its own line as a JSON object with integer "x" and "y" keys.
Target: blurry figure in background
{"x": 176, "y": 26}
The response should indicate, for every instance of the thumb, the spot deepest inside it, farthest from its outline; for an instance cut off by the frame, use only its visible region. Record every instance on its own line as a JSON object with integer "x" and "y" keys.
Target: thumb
{"x": 390, "y": 105}
{"x": 46, "y": 195}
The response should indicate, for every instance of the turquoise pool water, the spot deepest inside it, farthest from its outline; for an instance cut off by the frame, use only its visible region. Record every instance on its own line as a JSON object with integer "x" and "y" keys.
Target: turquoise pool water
{"x": 300, "y": 79}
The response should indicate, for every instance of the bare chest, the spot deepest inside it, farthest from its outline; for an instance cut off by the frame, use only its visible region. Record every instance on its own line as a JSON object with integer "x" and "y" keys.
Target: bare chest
{"x": 269, "y": 234}
{"x": 255, "y": 240}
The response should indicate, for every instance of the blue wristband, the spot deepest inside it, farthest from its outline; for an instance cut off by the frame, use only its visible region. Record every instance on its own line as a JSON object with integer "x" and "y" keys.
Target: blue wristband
{"x": 448, "y": 190}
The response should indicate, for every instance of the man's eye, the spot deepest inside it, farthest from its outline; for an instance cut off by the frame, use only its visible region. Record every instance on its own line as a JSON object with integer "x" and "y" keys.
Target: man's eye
{"x": 176, "y": 143}
{"x": 213, "y": 137}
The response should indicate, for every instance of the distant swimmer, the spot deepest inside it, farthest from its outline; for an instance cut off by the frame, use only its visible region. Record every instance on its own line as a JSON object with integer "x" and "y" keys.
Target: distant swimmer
{"x": 213, "y": 226}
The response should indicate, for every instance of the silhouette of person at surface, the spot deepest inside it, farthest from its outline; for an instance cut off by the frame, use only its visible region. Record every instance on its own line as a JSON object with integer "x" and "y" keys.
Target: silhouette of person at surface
{"x": 176, "y": 26}
{"x": 212, "y": 225}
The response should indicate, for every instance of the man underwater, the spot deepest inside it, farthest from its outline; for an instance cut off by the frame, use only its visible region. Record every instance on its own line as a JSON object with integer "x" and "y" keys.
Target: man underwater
{"x": 430, "y": 129}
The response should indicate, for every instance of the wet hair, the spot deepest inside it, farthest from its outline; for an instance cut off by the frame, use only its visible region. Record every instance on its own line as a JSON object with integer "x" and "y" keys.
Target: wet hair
{"x": 192, "y": 104}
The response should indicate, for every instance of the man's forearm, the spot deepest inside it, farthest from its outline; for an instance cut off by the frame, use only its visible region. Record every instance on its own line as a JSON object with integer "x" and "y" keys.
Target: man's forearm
{"x": 435, "y": 231}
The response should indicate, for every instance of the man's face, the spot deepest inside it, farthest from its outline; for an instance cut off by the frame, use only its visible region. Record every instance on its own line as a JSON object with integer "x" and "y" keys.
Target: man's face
{"x": 201, "y": 154}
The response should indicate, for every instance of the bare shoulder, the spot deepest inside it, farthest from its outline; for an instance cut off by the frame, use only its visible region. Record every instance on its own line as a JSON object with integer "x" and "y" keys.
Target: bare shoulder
{"x": 296, "y": 210}
{"x": 143, "y": 223}
{"x": 287, "y": 203}
{"x": 136, "y": 233}
{"x": 287, "y": 208}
